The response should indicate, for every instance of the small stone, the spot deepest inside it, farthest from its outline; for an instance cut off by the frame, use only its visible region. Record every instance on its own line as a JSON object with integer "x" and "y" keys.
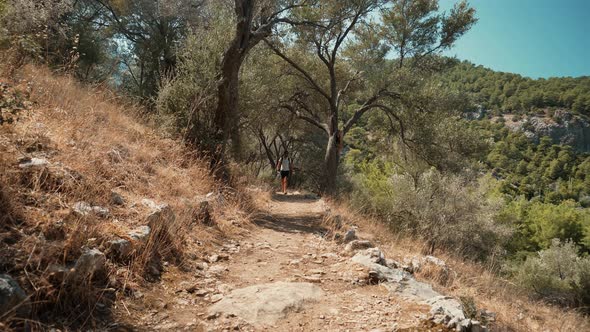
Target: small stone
{"x": 149, "y": 204}
{"x": 223, "y": 288}
{"x": 217, "y": 270}
{"x": 182, "y": 302}
{"x": 33, "y": 162}
{"x": 213, "y": 258}
{"x": 358, "y": 245}
{"x": 140, "y": 234}
{"x": 82, "y": 208}
{"x": 161, "y": 216}
{"x": 216, "y": 298}
{"x": 117, "y": 199}
{"x": 12, "y": 295}
{"x": 191, "y": 289}
{"x": 101, "y": 211}
{"x": 120, "y": 248}
{"x": 202, "y": 266}
{"x": 350, "y": 235}
{"x": 329, "y": 255}
{"x": 57, "y": 273}
{"x": 91, "y": 261}
{"x": 314, "y": 278}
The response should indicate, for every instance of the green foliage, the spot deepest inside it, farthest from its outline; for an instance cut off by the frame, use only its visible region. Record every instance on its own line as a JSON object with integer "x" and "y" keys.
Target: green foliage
{"x": 557, "y": 274}
{"x": 536, "y": 224}
{"x": 185, "y": 101}
{"x": 34, "y": 28}
{"x": 508, "y": 92}
{"x": 446, "y": 211}
{"x": 551, "y": 172}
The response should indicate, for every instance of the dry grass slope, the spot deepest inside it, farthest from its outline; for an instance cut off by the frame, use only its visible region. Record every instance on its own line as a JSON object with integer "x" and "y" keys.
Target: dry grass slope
{"x": 95, "y": 146}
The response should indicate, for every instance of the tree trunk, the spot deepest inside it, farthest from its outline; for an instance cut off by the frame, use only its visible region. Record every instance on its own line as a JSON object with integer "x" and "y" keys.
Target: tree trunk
{"x": 225, "y": 121}
{"x": 331, "y": 161}
{"x": 226, "y": 113}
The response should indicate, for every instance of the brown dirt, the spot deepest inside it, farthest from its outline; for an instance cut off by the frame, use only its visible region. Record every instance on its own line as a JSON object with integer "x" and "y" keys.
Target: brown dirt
{"x": 288, "y": 243}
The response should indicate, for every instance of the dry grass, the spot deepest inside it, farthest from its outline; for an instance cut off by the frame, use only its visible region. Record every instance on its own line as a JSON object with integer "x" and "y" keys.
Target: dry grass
{"x": 515, "y": 310}
{"x": 96, "y": 144}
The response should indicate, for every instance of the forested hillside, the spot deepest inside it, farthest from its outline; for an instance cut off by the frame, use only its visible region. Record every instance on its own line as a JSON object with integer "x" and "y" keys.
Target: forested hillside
{"x": 513, "y": 93}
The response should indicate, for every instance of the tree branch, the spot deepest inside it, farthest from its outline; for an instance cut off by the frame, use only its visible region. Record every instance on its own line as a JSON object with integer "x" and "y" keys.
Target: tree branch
{"x": 312, "y": 121}
{"x": 307, "y": 76}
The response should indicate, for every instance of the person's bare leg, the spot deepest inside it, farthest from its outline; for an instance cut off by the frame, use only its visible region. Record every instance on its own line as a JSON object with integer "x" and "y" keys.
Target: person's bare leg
{"x": 285, "y": 185}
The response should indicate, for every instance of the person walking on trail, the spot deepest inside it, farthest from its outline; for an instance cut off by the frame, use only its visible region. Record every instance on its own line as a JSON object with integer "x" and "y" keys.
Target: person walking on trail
{"x": 285, "y": 168}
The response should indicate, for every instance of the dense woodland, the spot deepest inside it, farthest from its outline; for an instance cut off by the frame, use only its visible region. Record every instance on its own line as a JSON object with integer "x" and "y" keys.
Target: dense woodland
{"x": 512, "y": 93}
{"x": 359, "y": 93}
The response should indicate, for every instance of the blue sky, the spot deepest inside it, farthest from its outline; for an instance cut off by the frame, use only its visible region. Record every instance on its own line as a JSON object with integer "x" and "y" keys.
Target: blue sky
{"x": 535, "y": 38}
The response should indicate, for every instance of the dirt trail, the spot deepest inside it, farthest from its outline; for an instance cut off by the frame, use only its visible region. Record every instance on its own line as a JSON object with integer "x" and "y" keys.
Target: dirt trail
{"x": 287, "y": 245}
{"x": 290, "y": 246}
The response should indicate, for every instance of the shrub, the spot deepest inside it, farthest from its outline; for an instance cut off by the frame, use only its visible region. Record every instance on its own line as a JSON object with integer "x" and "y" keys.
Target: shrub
{"x": 185, "y": 101}
{"x": 557, "y": 274}
{"x": 538, "y": 223}
{"x": 448, "y": 212}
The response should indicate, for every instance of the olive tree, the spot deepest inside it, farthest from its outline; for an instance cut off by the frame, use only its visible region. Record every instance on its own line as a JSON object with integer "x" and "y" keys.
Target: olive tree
{"x": 350, "y": 74}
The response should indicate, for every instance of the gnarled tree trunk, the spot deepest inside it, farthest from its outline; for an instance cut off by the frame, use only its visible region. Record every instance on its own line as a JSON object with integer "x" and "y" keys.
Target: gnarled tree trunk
{"x": 331, "y": 162}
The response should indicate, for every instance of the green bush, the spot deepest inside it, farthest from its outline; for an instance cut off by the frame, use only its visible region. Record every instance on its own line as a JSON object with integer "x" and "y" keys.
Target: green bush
{"x": 538, "y": 223}
{"x": 185, "y": 101}
{"x": 557, "y": 274}
{"x": 447, "y": 212}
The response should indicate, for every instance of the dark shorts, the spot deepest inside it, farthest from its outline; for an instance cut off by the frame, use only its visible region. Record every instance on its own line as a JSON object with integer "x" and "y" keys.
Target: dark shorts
{"x": 285, "y": 174}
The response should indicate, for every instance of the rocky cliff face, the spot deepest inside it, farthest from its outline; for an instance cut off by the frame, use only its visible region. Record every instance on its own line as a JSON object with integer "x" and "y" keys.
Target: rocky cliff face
{"x": 563, "y": 128}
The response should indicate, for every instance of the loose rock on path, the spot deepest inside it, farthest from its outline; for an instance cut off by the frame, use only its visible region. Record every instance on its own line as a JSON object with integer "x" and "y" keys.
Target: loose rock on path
{"x": 288, "y": 275}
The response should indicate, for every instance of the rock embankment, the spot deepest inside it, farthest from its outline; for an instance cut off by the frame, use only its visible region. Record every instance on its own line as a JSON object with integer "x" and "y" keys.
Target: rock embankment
{"x": 563, "y": 128}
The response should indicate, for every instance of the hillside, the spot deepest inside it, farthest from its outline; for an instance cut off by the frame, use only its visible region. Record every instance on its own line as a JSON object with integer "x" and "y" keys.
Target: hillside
{"x": 512, "y": 93}
{"x": 81, "y": 173}
{"x": 83, "y": 177}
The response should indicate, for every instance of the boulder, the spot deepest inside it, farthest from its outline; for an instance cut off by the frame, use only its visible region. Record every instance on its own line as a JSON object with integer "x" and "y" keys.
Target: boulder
{"x": 358, "y": 245}
{"x": 91, "y": 261}
{"x": 13, "y": 297}
{"x": 265, "y": 304}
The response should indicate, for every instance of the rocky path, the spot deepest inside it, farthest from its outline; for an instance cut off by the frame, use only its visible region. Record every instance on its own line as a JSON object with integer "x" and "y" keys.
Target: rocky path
{"x": 287, "y": 276}
{"x": 290, "y": 248}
